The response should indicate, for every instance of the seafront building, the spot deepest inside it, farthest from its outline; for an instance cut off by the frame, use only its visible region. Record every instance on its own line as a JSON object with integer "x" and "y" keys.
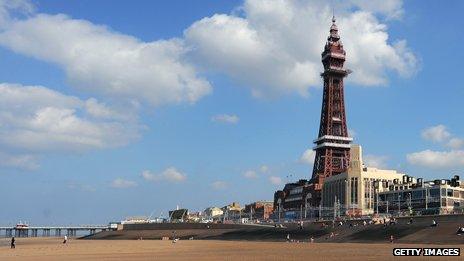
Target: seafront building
{"x": 441, "y": 196}
{"x": 354, "y": 192}
{"x": 259, "y": 210}
{"x": 213, "y": 212}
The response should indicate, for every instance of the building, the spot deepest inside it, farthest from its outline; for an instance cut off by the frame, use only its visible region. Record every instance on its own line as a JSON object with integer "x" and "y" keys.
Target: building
{"x": 430, "y": 197}
{"x": 136, "y": 220}
{"x": 354, "y": 192}
{"x": 259, "y": 210}
{"x": 292, "y": 199}
{"x": 232, "y": 211}
{"x": 213, "y": 212}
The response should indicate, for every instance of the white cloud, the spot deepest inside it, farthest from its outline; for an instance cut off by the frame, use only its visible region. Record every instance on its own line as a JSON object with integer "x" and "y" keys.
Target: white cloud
{"x": 34, "y": 119}
{"x": 392, "y": 9}
{"x": 437, "y": 133}
{"x": 455, "y": 143}
{"x": 21, "y": 161}
{"x": 123, "y": 183}
{"x": 375, "y": 161}
{"x": 275, "y": 180}
{"x": 275, "y": 46}
{"x": 170, "y": 174}
{"x": 225, "y": 118}
{"x": 308, "y": 157}
{"x": 437, "y": 159}
{"x": 264, "y": 169}
{"x": 272, "y": 46}
{"x": 250, "y": 174}
{"x": 219, "y": 185}
{"x": 23, "y": 7}
{"x": 99, "y": 60}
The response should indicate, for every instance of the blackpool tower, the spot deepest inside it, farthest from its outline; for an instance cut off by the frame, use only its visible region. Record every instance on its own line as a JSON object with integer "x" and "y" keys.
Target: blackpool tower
{"x": 333, "y": 143}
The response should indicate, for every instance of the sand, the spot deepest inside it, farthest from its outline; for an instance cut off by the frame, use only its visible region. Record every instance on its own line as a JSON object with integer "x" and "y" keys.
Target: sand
{"x": 52, "y": 249}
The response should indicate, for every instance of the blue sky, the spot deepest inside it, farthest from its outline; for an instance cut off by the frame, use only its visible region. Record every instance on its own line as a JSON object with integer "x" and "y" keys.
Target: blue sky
{"x": 108, "y": 135}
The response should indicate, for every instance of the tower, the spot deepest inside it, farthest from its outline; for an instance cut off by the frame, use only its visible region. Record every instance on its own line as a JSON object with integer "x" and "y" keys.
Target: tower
{"x": 333, "y": 144}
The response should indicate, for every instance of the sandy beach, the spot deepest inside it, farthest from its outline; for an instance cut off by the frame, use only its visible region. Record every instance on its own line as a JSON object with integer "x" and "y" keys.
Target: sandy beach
{"x": 52, "y": 249}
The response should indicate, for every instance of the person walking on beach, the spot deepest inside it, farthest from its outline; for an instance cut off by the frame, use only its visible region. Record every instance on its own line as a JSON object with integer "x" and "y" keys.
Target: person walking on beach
{"x": 391, "y": 239}
{"x": 65, "y": 241}
{"x": 13, "y": 245}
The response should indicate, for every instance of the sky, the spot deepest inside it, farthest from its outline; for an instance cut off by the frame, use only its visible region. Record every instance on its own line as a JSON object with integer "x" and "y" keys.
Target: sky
{"x": 111, "y": 109}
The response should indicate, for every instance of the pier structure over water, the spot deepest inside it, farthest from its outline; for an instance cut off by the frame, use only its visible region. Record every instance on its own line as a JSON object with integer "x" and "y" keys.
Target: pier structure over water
{"x": 50, "y": 231}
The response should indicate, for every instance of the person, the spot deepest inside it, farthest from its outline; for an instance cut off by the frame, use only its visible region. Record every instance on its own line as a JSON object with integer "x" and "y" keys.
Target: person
{"x": 391, "y": 238}
{"x": 65, "y": 239}
{"x": 301, "y": 224}
{"x": 434, "y": 223}
{"x": 410, "y": 221}
{"x": 460, "y": 231}
{"x": 13, "y": 245}
{"x": 312, "y": 240}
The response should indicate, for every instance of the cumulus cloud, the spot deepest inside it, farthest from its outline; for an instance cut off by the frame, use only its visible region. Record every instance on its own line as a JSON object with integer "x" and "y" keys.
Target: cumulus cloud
{"x": 123, "y": 183}
{"x": 437, "y": 159}
{"x": 274, "y": 46}
{"x": 392, "y": 9}
{"x": 102, "y": 61}
{"x": 455, "y": 143}
{"x": 21, "y": 161}
{"x": 275, "y": 180}
{"x": 264, "y": 168}
{"x": 438, "y": 133}
{"x": 35, "y": 119}
{"x": 375, "y": 161}
{"x": 226, "y": 118}
{"x": 219, "y": 185}
{"x": 250, "y": 174}
{"x": 170, "y": 175}
{"x": 21, "y": 7}
{"x": 308, "y": 157}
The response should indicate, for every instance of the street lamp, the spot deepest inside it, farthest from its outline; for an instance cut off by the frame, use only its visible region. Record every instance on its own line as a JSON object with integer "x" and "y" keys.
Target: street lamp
{"x": 399, "y": 204}
{"x": 426, "y": 198}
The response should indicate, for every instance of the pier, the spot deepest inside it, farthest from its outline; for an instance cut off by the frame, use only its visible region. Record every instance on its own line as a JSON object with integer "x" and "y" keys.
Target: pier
{"x": 50, "y": 231}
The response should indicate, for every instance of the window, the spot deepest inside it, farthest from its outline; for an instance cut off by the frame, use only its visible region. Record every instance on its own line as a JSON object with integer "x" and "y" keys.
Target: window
{"x": 434, "y": 192}
{"x": 449, "y": 192}
{"x": 417, "y": 194}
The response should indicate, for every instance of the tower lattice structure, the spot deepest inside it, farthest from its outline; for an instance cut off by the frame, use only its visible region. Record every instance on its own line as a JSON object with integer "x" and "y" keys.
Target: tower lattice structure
{"x": 333, "y": 143}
